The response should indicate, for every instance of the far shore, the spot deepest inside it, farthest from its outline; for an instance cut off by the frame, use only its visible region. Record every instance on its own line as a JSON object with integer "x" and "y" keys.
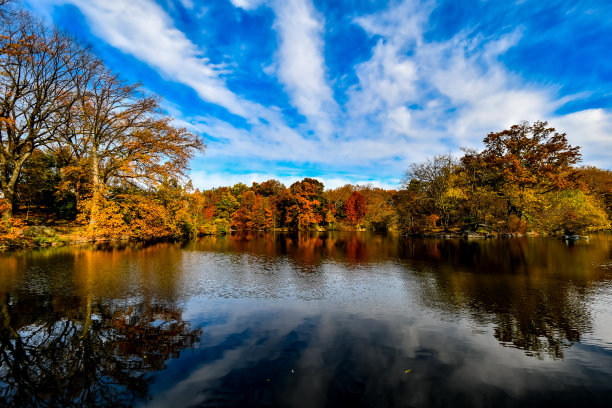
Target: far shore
{"x": 44, "y": 236}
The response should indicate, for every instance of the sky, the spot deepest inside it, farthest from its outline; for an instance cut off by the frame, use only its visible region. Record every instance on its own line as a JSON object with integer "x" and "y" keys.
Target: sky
{"x": 354, "y": 91}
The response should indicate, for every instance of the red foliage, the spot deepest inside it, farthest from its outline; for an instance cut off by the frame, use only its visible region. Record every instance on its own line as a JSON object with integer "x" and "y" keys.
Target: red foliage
{"x": 355, "y": 207}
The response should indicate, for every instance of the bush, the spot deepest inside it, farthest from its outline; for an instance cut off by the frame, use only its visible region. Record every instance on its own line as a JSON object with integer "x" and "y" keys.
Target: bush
{"x": 207, "y": 229}
{"x": 515, "y": 225}
{"x": 572, "y": 211}
{"x": 222, "y": 225}
{"x": 187, "y": 229}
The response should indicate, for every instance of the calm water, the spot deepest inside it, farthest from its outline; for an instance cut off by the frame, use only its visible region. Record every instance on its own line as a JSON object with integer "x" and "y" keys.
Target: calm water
{"x": 343, "y": 319}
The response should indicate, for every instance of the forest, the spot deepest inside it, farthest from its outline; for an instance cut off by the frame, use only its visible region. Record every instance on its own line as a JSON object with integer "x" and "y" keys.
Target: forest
{"x": 86, "y": 156}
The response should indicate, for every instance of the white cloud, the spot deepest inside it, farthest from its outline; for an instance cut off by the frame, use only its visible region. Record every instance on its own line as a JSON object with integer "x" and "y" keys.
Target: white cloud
{"x": 301, "y": 66}
{"x": 279, "y": 142}
{"x": 591, "y": 130}
{"x": 414, "y": 97}
{"x": 447, "y": 94}
{"x": 466, "y": 72}
{"x": 399, "y": 119}
{"x": 188, "y": 4}
{"x": 142, "y": 29}
{"x": 386, "y": 81}
{"x": 400, "y": 23}
{"x": 247, "y": 4}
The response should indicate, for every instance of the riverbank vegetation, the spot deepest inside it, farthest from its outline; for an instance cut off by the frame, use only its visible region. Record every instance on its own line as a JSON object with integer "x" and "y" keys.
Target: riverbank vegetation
{"x": 79, "y": 143}
{"x": 96, "y": 158}
{"x": 480, "y": 192}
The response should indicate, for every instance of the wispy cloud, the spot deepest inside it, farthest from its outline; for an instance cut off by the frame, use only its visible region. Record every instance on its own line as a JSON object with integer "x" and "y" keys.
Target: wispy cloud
{"x": 447, "y": 94}
{"x": 247, "y": 4}
{"x": 301, "y": 66}
{"x": 144, "y": 30}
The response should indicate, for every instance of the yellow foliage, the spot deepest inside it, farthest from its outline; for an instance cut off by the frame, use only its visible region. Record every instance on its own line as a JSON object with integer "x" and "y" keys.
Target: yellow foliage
{"x": 11, "y": 230}
{"x": 109, "y": 223}
{"x": 148, "y": 219}
{"x": 571, "y": 211}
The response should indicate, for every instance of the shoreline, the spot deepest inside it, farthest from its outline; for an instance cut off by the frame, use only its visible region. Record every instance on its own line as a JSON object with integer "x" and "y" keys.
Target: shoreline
{"x": 48, "y": 237}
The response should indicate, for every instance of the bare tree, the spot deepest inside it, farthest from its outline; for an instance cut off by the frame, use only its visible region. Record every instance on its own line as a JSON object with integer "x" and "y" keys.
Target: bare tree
{"x": 4, "y": 9}
{"x": 119, "y": 135}
{"x": 37, "y": 68}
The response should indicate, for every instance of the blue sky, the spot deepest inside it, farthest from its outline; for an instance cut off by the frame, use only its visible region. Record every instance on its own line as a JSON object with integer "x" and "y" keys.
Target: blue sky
{"x": 353, "y": 91}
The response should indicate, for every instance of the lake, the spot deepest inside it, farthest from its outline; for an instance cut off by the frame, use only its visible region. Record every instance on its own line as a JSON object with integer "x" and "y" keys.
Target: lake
{"x": 309, "y": 320}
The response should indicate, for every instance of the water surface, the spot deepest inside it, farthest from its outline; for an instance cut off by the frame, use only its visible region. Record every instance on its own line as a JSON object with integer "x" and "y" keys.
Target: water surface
{"x": 309, "y": 320}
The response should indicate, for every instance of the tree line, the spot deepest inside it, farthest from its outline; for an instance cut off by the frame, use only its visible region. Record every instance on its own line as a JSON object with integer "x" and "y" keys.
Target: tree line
{"x": 525, "y": 179}
{"x": 83, "y": 148}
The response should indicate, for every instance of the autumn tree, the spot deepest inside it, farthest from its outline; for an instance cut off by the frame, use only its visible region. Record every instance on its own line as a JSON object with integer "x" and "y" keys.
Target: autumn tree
{"x": 284, "y": 201}
{"x": 250, "y": 214}
{"x": 529, "y": 155}
{"x": 337, "y": 197}
{"x": 37, "y": 67}
{"x": 380, "y": 212}
{"x": 355, "y": 208}
{"x": 330, "y": 216}
{"x": 237, "y": 190}
{"x": 270, "y": 212}
{"x": 570, "y": 211}
{"x": 484, "y": 205}
{"x": 268, "y": 188}
{"x": 226, "y": 204}
{"x": 37, "y": 185}
{"x": 305, "y": 201}
{"x": 524, "y": 160}
{"x": 412, "y": 208}
{"x": 436, "y": 178}
{"x": 120, "y": 136}
{"x": 598, "y": 183}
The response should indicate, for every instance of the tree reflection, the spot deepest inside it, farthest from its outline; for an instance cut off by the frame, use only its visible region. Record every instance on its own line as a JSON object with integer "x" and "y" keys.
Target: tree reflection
{"x": 57, "y": 351}
{"x": 534, "y": 293}
{"x": 307, "y": 249}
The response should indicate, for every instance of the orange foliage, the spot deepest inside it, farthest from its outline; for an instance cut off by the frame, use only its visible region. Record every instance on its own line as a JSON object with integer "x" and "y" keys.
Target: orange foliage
{"x": 245, "y": 218}
{"x": 305, "y": 208}
{"x": 433, "y": 219}
{"x": 528, "y": 155}
{"x": 11, "y": 229}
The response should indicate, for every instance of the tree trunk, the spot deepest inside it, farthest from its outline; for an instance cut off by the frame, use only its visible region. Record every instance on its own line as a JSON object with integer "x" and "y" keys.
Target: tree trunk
{"x": 95, "y": 171}
{"x": 8, "y": 184}
{"x": 77, "y": 196}
{"x": 8, "y": 196}
{"x": 87, "y": 316}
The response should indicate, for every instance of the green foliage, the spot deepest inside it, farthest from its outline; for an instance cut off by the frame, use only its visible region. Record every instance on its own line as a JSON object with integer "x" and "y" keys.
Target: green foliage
{"x": 522, "y": 181}
{"x": 187, "y": 229}
{"x": 222, "y": 226}
{"x": 226, "y": 206}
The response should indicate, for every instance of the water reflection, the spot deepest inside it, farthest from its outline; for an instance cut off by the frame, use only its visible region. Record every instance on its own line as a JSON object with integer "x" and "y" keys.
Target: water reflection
{"x": 309, "y": 320}
{"x": 534, "y": 290}
{"x": 66, "y": 350}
